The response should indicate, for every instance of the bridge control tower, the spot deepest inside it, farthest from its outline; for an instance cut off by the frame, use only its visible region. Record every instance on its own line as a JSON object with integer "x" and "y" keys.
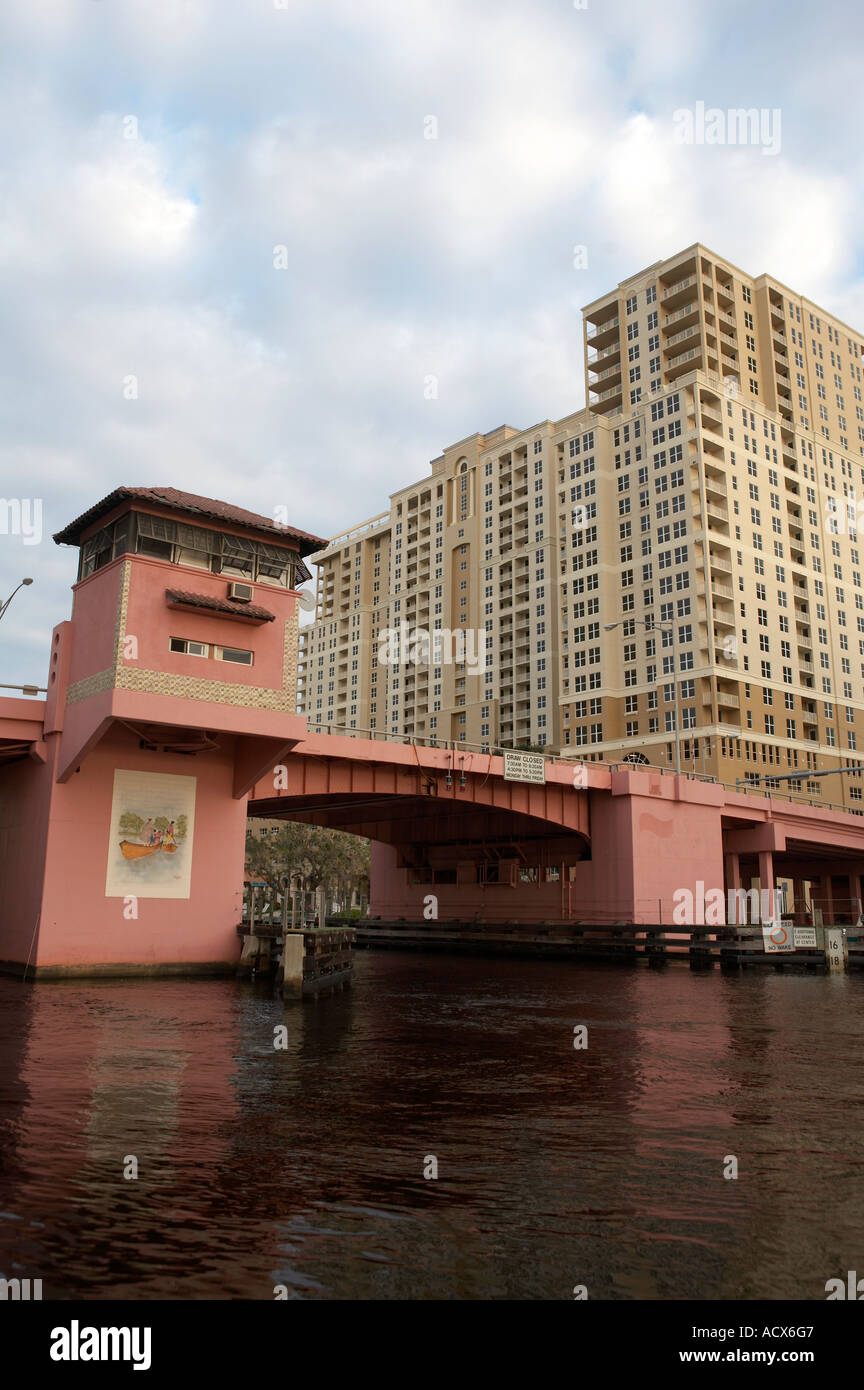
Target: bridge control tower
{"x": 171, "y": 691}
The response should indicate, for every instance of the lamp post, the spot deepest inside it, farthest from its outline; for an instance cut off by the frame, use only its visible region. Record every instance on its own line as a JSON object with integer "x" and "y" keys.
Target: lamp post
{"x": 662, "y": 627}
{"x": 4, "y": 606}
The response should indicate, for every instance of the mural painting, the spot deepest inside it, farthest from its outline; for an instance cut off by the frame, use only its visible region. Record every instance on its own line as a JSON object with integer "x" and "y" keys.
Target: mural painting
{"x": 151, "y": 835}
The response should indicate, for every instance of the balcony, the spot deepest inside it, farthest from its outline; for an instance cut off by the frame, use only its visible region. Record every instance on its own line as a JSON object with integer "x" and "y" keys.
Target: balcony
{"x": 604, "y": 376}
{"x": 675, "y": 294}
{"x": 684, "y": 362}
{"x": 600, "y": 335}
{"x": 689, "y": 311}
{"x": 611, "y": 395}
{"x": 597, "y": 361}
{"x": 709, "y": 412}
{"x": 684, "y": 336}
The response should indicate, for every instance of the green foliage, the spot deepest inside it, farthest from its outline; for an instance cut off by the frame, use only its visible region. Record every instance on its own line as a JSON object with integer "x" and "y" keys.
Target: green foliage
{"x": 133, "y": 824}
{"x": 322, "y": 857}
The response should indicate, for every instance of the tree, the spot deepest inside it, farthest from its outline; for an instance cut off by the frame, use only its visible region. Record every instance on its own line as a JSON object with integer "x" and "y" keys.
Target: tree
{"x": 318, "y": 856}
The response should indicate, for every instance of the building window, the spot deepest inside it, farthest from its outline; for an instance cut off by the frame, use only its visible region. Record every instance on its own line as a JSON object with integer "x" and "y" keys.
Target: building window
{"x": 189, "y": 648}
{"x": 235, "y": 654}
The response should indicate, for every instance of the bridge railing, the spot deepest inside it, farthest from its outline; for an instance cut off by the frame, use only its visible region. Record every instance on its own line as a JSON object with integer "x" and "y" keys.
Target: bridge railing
{"x": 497, "y": 750}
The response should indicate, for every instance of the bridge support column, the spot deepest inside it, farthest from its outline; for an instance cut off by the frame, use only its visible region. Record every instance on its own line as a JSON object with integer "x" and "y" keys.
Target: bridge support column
{"x": 829, "y": 897}
{"x": 855, "y": 892}
{"x": 293, "y": 954}
{"x": 733, "y": 880}
{"x": 799, "y": 907}
{"x": 766, "y": 877}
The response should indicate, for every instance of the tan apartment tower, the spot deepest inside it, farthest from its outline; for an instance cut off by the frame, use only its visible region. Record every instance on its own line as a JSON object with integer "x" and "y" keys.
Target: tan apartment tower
{"x": 673, "y": 572}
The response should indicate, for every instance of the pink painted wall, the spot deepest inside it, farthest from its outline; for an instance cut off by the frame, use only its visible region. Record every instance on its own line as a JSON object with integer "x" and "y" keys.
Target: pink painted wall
{"x": 153, "y": 622}
{"x": 392, "y": 896}
{"x": 94, "y": 622}
{"x": 644, "y": 847}
{"x": 675, "y": 845}
{"x": 200, "y": 929}
{"x": 86, "y": 647}
{"x": 25, "y": 794}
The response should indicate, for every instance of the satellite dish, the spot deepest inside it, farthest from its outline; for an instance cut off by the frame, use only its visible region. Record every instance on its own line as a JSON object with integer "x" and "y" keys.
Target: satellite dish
{"x": 307, "y": 600}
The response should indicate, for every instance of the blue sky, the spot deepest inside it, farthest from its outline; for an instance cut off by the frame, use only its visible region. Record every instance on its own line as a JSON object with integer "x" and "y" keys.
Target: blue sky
{"x": 303, "y": 127}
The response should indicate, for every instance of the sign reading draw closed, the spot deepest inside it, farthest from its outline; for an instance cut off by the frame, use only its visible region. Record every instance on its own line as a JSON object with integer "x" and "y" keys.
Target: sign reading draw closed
{"x": 524, "y": 767}
{"x": 151, "y": 835}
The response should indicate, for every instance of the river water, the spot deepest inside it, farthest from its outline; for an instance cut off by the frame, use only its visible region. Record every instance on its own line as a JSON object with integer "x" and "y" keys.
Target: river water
{"x": 558, "y": 1166}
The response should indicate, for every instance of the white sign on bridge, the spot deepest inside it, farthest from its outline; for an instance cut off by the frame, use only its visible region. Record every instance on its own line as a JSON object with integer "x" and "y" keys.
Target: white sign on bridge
{"x": 524, "y": 767}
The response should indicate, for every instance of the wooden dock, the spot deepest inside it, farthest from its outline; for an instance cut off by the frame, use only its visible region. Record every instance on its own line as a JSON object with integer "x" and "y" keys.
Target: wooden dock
{"x": 302, "y": 960}
{"x": 731, "y": 947}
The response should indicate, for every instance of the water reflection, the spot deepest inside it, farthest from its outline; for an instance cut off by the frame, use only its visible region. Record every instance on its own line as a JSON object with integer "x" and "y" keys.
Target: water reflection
{"x": 304, "y": 1166}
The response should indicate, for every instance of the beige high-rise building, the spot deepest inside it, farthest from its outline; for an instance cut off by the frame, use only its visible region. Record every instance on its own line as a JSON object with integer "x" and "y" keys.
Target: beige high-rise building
{"x": 680, "y": 555}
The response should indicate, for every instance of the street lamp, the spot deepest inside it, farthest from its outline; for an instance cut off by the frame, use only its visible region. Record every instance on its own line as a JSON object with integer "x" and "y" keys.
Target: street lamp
{"x": 4, "y": 606}
{"x": 662, "y": 627}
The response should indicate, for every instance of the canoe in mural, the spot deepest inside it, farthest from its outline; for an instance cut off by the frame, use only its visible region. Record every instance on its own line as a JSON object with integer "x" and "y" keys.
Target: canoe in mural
{"x": 133, "y": 851}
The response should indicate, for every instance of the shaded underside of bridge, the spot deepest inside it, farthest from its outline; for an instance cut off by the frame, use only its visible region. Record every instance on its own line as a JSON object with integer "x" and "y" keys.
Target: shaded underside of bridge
{"x": 435, "y": 808}
{"x": 429, "y": 830}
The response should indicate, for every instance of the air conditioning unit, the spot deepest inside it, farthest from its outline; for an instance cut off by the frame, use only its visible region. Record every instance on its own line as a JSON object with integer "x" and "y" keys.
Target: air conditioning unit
{"x": 241, "y": 593}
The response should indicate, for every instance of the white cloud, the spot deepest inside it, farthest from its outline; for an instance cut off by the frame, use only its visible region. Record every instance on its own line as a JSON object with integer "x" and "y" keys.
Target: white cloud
{"x": 406, "y": 257}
